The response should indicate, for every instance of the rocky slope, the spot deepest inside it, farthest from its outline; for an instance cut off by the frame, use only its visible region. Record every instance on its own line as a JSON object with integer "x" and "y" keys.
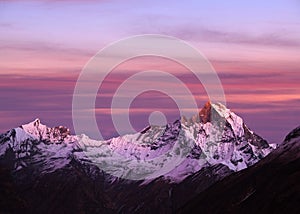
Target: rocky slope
{"x": 47, "y": 170}
{"x": 270, "y": 186}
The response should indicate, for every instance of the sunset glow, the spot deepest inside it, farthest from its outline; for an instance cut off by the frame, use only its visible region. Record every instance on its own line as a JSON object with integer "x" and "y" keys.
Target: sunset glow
{"x": 254, "y": 47}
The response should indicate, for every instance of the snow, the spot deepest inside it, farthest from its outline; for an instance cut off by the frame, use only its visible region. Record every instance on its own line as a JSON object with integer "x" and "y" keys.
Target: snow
{"x": 36, "y": 129}
{"x": 22, "y": 135}
{"x": 235, "y": 121}
{"x": 156, "y": 151}
{"x": 16, "y": 142}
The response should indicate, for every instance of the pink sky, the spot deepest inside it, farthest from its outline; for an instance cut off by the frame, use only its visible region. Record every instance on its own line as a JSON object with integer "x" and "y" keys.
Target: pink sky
{"x": 254, "y": 47}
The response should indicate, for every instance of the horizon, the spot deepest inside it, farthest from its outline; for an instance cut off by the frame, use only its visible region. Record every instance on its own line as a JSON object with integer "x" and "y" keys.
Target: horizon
{"x": 46, "y": 44}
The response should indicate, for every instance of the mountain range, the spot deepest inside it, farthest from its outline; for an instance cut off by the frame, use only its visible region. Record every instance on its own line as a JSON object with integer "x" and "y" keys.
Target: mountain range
{"x": 211, "y": 163}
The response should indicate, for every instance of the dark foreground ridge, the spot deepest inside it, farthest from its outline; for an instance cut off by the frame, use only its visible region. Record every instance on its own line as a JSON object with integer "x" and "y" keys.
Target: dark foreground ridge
{"x": 270, "y": 186}
{"x": 45, "y": 170}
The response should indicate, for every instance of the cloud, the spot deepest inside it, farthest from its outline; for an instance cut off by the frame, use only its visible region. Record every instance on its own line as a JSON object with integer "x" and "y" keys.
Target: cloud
{"x": 46, "y": 47}
{"x": 266, "y": 39}
{"x": 6, "y": 25}
{"x": 197, "y": 33}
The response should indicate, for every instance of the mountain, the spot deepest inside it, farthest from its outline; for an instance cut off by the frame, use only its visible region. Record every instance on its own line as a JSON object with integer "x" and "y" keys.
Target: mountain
{"x": 46, "y": 170}
{"x": 270, "y": 186}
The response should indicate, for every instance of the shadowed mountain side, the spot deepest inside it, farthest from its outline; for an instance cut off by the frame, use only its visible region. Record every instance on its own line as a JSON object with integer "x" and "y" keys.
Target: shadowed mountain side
{"x": 270, "y": 186}
{"x": 47, "y": 170}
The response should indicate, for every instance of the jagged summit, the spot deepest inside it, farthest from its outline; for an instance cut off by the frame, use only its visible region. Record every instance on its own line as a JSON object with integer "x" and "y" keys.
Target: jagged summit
{"x": 42, "y": 172}
{"x": 205, "y": 113}
{"x": 215, "y": 136}
{"x": 37, "y": 122}
{"x": 41, "y": 132}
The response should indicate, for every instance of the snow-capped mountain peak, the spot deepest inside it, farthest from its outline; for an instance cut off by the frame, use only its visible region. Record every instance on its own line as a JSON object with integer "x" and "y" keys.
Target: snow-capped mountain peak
{"x": 41, "y": 132}
{"x": 235, "y": 121}
{"x": 215, "y": 136}
{"x": 216, "y": 112}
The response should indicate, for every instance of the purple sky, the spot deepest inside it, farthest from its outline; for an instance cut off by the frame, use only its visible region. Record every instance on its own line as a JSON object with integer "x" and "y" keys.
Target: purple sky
{"x": 254, "y": 47}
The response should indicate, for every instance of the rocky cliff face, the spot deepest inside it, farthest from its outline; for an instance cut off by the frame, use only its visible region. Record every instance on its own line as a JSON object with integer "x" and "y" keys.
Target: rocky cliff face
{"x": 48, "y": 170}
{"x": 270, "y": 186}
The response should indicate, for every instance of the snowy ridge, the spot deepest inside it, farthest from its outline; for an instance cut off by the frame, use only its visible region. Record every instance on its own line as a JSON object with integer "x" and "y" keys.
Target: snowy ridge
{"x": 37, "y": 144}
{"x": 174, "y": 151}
{"x": 235, "y": 121}
{"x": 42, "y": 132}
